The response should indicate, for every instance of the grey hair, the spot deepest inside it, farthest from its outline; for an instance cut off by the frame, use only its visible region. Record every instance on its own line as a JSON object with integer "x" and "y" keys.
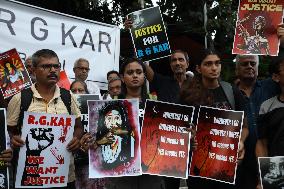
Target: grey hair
{"x": 239, "y": 57}
{"x": 80, "y": 60}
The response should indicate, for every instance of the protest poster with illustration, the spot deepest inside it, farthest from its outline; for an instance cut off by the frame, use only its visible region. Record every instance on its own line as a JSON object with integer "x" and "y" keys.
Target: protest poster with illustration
{"x": 82, "y": 99}
{"x": 4, "y": 176}
{"x": 149, "y": 35}
{"x": 271, "y": 171}
{"x": 44, "y": 158}
{"x": 115, "y": 126}
{"x": 218, "y": 133}
{"x": 13, "y": 74}
{"x": 164, "y": 140}
{"x": 63, "y": 80}
{"x": 256, "y": 27}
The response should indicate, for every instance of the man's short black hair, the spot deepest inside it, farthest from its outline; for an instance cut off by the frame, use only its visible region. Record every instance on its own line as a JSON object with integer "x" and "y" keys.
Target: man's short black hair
{"x": 43, "y": 53}
{"x": 112, "y": 72}
{"x": 275, "y": 65}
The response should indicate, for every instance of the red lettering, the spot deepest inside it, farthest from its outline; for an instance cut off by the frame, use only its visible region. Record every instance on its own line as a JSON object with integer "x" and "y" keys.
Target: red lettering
{"x": 61, "y": 122}
{"x": 53, "y": 121}
{"x": 31, "y": 169}
{"x": 51, "y": 170}
{"x": 35, "y": 159}
{"x": 42, "y": 120}
{"x": 68, "y": 121}
{"x": 31, "y": 119}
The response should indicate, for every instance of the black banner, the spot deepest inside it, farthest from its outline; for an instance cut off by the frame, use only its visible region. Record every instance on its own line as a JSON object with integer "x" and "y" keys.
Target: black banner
{"x": 149, "y": 34}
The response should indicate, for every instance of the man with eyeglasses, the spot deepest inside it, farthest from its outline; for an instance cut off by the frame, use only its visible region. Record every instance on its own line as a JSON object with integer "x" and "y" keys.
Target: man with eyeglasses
{"x": 81, "y": 70}
{"x": 46, "y": 98}
{"x": 255, "y": 92}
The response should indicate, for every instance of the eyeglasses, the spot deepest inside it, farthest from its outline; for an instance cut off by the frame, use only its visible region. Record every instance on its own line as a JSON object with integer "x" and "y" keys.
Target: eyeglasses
{"x": 246, "y": 63}
{"x": 50, "y": 66}
{"x": 83, "y": 68}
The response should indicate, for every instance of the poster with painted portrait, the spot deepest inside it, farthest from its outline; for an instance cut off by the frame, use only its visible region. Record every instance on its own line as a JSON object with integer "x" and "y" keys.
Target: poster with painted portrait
{"x": 13, "y": 74}
{"x": 271, "y": 171}
{"x": 256, "y": 27}
{"x": 4, "y": 176}
{"x": 45, "y": 160}
{"x": 114, "y": 125}
{"x": 218, "y": 134}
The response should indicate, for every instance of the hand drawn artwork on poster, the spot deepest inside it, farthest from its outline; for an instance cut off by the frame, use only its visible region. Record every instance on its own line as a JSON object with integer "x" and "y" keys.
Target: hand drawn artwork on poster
{"x": 271, "y": 171}
{"x": 4, "y": 176}
{"x": 256, "y": 27}
{"x": 45, "y": 159}
{"x": 13, "y": 74}
{"x": 218, "y": 134}
{"x": 149, "y": 35}
{"x": 82, "y": 99}
{"x": 164, "y": 139}
{"x": 115, "y": 127}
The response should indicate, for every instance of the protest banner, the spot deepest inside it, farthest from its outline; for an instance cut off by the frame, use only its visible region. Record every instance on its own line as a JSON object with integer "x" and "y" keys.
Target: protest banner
{"x": 63, "y": 80}
{"x": 271, "y": 171}
{"x": 83, "y": 104}
{"x": 4, "y": 175}
{"x": 218, "y": 134}
{"x": 117, "y": 119}
{"x": 149, "y": 35}
{"x": 44, "y": 158}
{"x": 13, "y": 74}
{"x": 30, "y": 28}
{"x": 256, "y": 27}
{"x": 164, "y": 139}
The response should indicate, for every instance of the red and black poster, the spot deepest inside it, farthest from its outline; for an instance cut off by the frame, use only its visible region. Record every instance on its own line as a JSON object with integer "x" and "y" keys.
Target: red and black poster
{"x": 63, "y": 80}
{"x": 13, "y": 74}
{"x": 218, "y": 134}
{"x": 4, "y": 176}
{"x": 149, "y": 35}
{"x": 164, "y": 140}
{"x": 256, "y": 27}
{"x": 45, "y": 160}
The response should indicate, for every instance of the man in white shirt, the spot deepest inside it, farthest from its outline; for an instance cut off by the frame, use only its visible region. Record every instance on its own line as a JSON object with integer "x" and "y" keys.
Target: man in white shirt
{"x": 81, "y": 70}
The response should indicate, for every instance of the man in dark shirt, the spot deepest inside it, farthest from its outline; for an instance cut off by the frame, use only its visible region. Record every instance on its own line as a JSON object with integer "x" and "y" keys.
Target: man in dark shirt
{"x": 167, "y": 88}
{"x": 255, "y": 92}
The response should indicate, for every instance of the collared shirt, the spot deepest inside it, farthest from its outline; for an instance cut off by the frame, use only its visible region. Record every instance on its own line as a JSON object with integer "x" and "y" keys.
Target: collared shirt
{"x": 38, "y": 104}
{"x": 262, "y": 91}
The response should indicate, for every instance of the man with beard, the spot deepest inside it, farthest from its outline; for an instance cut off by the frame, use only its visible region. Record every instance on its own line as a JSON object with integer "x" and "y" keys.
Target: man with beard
{"x": 167, "y": 88}
{"x": 255, "y": 93}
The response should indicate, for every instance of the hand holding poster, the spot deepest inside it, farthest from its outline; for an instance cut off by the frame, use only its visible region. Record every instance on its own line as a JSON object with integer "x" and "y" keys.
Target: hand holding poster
{"x": 13, "y": 74}
{"x": 115, "y": 127}
{"x": 149, "y": 34}
{"x": 164, "y": 139}
{"x": 218, "y": 134}
{"x": 4, "y": 176}
{"x": 271, "y": 171}
{"x": 256, "y": 27}
{"x": 44, "y": 158}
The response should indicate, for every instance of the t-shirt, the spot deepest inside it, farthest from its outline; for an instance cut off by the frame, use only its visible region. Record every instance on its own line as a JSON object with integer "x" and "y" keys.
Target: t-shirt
{"x": 271, "y": 125}
{"x": 167, "y": 88}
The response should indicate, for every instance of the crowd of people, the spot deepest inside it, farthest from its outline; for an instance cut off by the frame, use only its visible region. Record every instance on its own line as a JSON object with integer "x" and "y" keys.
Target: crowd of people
{"x": 261, "y": 100}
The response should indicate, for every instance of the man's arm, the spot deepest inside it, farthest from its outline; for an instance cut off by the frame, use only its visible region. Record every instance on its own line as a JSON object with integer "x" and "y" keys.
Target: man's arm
{"x": 149, "y": 73}
{"x": 261, "y": 148}
{"x": 280, "y": 33}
